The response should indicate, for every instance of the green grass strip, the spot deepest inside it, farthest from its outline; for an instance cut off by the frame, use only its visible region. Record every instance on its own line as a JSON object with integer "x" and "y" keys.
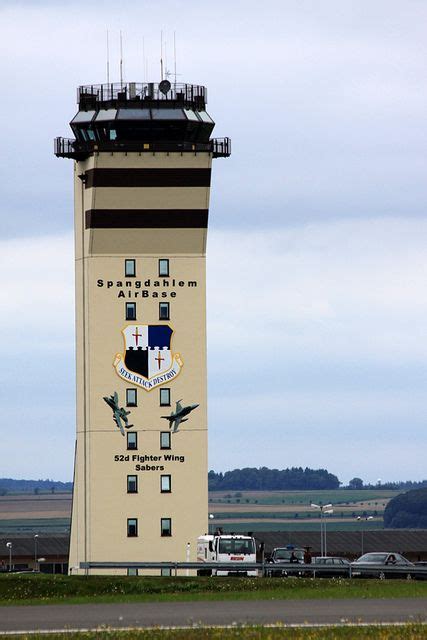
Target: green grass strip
{"x": 400, "y": 632}
{"x": 26, "y": 589}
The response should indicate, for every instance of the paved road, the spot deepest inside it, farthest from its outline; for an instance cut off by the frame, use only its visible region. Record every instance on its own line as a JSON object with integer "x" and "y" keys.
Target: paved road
{"x": 90, "y": 616}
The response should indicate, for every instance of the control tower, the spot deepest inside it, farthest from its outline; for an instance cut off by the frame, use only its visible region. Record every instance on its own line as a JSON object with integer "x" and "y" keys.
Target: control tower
{"x": 142, "y": 171}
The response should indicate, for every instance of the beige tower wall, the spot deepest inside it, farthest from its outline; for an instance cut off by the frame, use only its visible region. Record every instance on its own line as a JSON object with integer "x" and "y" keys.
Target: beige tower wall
{"x": 101, "y": 504}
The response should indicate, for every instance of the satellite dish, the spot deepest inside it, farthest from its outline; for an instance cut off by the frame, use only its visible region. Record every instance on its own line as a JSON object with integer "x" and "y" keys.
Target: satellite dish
{"x": 164, "y": 86}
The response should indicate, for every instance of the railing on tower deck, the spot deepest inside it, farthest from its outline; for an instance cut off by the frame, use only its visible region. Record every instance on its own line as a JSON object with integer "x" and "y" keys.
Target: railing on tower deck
{"x": 67, "y": 148}
{"x": 135, "y": 91}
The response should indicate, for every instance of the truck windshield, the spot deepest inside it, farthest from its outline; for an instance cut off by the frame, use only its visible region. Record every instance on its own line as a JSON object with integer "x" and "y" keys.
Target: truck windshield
{"x": 243, "y": 547}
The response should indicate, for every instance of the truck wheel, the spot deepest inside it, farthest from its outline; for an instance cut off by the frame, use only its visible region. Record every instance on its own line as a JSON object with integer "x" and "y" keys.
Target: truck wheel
{"x": 204, "y": 572}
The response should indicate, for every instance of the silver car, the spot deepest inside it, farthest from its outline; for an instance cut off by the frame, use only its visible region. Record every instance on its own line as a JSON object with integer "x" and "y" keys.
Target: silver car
{"x": 379, "y": 559}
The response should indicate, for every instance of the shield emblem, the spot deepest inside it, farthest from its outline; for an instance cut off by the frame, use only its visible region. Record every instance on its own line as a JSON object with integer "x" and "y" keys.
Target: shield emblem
{"x": 148, "y": 360}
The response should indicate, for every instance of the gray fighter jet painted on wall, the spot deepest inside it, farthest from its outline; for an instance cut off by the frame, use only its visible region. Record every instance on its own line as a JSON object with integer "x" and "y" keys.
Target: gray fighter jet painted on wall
{"x": 120, "y": 415}
{"x": 176, "y": 418}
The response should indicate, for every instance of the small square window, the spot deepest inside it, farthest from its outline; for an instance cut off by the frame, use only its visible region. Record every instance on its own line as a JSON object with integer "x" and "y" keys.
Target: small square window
{"x": 163, "y": 310}
{"x": 130, "y": 310}
{"x": 166, "y": 572}
{"x": 132, "y": 484}
{"x": 132, "y": 571}
{"x": 163, "y": 267}
{"x": 132, "y": 440}
{"x": 130, "y": 268}
{"x": 165, "y": 440}
{"x": 165, "y": 527}
{"x": 165, "y": 397}
{"x": 132, "y": 527}
{"x": 131, "y": 398}
{"x": 165, "y": 484}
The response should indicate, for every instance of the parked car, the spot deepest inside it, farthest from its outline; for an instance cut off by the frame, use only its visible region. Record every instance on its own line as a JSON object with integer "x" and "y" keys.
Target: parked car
{"x": 332, "y": 566}
{"x": 361, "y": 567}
{"x": 285, "y": 556}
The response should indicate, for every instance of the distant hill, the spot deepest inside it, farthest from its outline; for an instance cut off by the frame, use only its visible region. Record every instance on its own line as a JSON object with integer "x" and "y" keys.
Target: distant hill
{"x": 9, "y": 485}
{"x": 264, "y": 479}
{"x": 407, "y": 511}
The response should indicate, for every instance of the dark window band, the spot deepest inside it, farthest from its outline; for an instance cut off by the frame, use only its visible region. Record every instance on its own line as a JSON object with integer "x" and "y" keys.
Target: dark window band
{"x": 148, "y": 178}
{"x": 146, "y": 219}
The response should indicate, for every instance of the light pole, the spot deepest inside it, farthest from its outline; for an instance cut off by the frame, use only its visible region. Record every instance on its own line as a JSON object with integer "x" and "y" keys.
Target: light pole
{"x": 328, "y": 511}
{"x": 36, "y": 536}
{"x": 360, "y": 519}
{"x": 9, "y": 546}
{"x": 323, "y": 508}
{"x": 210, "y": 527}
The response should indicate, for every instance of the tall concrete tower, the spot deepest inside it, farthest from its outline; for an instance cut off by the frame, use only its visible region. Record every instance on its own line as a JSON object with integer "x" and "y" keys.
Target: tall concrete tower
{"x": 142, "y": 170}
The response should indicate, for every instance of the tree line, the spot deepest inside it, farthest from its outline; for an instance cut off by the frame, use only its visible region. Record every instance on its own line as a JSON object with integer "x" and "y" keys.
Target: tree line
{"x": 407, "y": 511}
{"x": 262, "y": 479}
{"x": 10, "y": 485}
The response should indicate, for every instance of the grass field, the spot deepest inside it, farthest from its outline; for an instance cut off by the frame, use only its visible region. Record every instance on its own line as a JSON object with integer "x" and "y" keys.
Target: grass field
{"x": 404, "y": 632}
{"x": 336, "y": 496}
{"x": 53, "y": 589}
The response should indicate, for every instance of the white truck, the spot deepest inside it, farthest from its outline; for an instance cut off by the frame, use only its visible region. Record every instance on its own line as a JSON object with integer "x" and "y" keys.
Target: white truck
{"x": 223, "y": 548}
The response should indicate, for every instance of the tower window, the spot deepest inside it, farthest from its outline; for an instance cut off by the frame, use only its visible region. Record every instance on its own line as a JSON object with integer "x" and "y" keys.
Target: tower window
{"x": 165, "y": 397}
{"x": 132, "y": 440}
{"x": 131, "y": 398}
{"x": 163, "y": 267}
{"x": 163, "y": 310}
{"x": 165, "y": 527}
{"x": 130, "y": 310}
{"x": 165, "y": 440}
{"x": 130, "y": 268}
{"x": 165, "y": 484}
{"x": 132, "y": 484}
{"x": 132, "y": 527}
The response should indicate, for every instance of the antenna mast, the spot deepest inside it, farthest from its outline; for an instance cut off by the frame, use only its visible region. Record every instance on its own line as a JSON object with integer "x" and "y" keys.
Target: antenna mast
{"x": 161, "y": 55}
{"x": 174, "y": 56}
{"x": 144, "y": 77}
{"x": 121, "y": 59}
{"x": 108, "y": 60}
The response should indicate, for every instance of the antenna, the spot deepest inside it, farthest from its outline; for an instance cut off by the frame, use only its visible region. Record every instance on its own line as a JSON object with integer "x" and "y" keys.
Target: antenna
{"x": 144, "y": 76}
{"x": 174, "y": 56}
{"x": 108, "y": 60}
{"x": 161, "y": 55}
{"x": 121, "y": 59}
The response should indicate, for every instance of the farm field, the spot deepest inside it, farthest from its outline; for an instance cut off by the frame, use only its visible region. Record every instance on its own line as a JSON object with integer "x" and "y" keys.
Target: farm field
{"x": 232, "y": 510}
{"x": 291, "y": 510}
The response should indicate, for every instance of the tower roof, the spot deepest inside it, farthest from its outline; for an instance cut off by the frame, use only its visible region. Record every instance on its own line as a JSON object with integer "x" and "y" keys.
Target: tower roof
{"x": 141, "y": 117}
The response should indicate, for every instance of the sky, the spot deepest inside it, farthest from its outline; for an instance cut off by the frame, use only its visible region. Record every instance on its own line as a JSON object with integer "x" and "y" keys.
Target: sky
{"x": 317, "y": 333}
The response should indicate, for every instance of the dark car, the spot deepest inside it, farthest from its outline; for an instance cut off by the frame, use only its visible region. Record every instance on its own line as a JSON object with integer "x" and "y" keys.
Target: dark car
{"x": 374, "y": 565}
{"x": 331, "y": 566}
{"x": 288, "y": 556}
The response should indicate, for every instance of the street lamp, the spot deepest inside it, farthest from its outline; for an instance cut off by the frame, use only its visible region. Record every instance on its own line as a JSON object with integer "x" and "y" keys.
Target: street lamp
{"x": 36, "y": 536}
{"x": 327, "y": 511}
{"x": 323, "y": 508}
{"x": 210, "y": 528}
{"x": 362, "y": 531}
{"x": 9, "y": 546}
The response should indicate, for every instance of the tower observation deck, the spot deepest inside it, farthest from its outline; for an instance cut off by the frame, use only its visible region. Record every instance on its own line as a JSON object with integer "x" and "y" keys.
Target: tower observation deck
{"x": 141, "y": 117}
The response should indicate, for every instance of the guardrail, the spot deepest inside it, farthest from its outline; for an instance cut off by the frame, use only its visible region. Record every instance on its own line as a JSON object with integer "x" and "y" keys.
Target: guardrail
{"x": 268, "y": 569}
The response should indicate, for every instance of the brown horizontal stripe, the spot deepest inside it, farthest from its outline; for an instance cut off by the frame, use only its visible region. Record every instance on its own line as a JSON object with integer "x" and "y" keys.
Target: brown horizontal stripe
{"x": 146, "y": 218}
{"x": 148, "y": 178}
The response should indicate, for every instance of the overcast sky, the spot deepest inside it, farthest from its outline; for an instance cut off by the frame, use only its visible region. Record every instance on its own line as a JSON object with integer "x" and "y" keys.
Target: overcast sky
{"x": 317, "y": 261}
